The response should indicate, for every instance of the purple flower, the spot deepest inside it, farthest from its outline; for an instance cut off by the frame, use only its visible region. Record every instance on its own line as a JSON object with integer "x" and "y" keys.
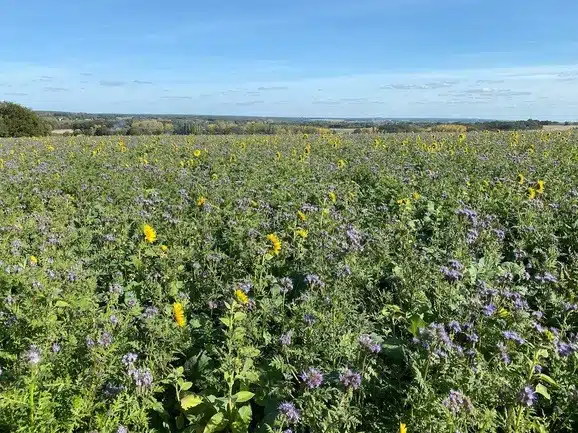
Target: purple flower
{"x": 55, "y": 347}
{"x": 285, "y": 339}
{"x": 537, "y": 369}
{"x": 489, "y": 310}
{"x": 245, "y": 286}
{"x": 113, "y": 319}
{"x": 313, "y": 378}
{"x": 309, "y": 319}
{"x": 570, "y": 307}
{"x": 129, "y": 359}
{"x": 33, "y": 355}
{"x": 286, "y": 284}
{"x": 527, "y": 396}
{"x": 471, "y": 236}
{"x": 105, "y": 339}
{"x": 454, "y": 326}
{"x": 513, "y": 336}
{"x": 150, "y": 312}
{"x": 143, "y": 378}
{"x": 451, "y": 275}
{"x": 350, "y": 379}
{"x": 457, "y": 402}
{"x": 89, "y": 342}
{"x": 290, "y": 412}
{"x": 314, "y": 280}
{"x": 565, "y": 349}
{"x": 121, "y": 429}
{"x": 367, "y": 341}
{"x": 504, "y": 353}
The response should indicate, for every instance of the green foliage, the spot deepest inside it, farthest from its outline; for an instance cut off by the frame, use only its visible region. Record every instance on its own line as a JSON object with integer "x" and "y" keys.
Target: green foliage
{"x": 415, "y": 279}
{"x": 18, "y": 121}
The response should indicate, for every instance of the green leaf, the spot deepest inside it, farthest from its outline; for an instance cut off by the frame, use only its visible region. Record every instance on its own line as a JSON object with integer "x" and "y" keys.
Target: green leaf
{"x": 543, "y": 391}
{"x": 190, "y": 401}
{"x": 242, "y": 420}
{"x": 416, "y": 323}
{"x": 243, "y": 396}
{"x": 240, "y": 316}
{"x": 217, "y": 423}
{"x": 61, "y": 304}
{"x": 186, "y": 386}
{"x": 226, "y": 321}
{"x": 547, "y": 379}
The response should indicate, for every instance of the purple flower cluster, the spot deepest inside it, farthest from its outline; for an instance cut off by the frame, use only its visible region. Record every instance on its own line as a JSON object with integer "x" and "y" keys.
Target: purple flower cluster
{"x": 143, "y": 377}
{"x": 314, "y": 281}
{"x": 527, "y": 396}
{"x": 285, "y": 339}
{"x": 290, "y": 412}
{"x": 369, "y": 343}
{"x": 286, "y": 284}
{"x": 452, "y": 272}
{"x": 312, "y": 378}
{"x": 513, "y": 336}
{"x": 457, "y": 402}
{"x": 350, "y": 379}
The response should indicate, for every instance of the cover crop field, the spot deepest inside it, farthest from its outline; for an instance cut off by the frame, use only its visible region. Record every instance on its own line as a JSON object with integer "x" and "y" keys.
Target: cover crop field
{"x": 298, "y": 284}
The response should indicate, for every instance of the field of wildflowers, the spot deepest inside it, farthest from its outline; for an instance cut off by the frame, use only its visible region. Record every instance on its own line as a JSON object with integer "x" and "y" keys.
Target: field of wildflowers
{"x": 281, "y": 284}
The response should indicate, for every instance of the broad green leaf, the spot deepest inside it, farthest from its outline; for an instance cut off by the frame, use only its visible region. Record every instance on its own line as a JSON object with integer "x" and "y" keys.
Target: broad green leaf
{"x": 242, "y": 420}
{"x": 416, "y": 323}
{"x": 240, "y": 316}
{"x": 226, "y": 321}
{"x": 61, "y": 304}
{"x": 217, "y": 423}
{"x": 190, "y": 401}
{"x": 547, "y": 379}
{"x": 243, "y": 396}
{"x": 186, "y": 386}
{"x": 543, "y": 391}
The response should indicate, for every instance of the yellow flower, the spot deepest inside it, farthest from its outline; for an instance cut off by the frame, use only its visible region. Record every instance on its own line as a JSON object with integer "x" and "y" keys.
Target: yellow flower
{"x": 164, "y": 248}
{"x": 278, "y": 156}
{"x": 275, "y": 244}
{"x": 521, "y": 179}
{"x": 301, "y": 215}
{"x": 403, "y": 202}
{"x": 416, "y": 195}
{"x": 302, "y": 232}
{"x": 540, "y": 187}
{"x": 149, "y": 233}
{"x": 197, "y": 153}
{"x": 341, "y": 163}
{"x": 531, "y": 193}
{"x": 402, "y": 428}
{"x": 179, "y": 314}
{"x": 332, "y": 196}
{"x": 33, "y": 260}
{"x": 201, "y": 201}
{"x": 241, "y": 297}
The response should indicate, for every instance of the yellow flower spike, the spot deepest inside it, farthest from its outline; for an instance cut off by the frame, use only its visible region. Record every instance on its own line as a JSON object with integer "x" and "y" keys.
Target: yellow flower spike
{"x": 540, "y": 187}
{"x": 301, "y": 215}
{"x": 179, "y": 314}
{"x": 201, "y": 201}
{"x": 531, "y": 193}
{"x": 241, "y": 297}
{"x": 149, "y": 233}
{"x": 521, "y": 179}
{"x": 302, "y": 233}
{"x": 33, "y": 260}
{"x": 402, "y": 428}
{"x": 197, "y": 153}
{"x": 275, "y": 244}
{"x": 332, "y": 196}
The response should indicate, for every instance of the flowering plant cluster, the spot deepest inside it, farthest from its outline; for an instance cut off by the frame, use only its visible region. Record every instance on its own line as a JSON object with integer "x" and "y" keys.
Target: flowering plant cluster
{"x": 290, "y": 284}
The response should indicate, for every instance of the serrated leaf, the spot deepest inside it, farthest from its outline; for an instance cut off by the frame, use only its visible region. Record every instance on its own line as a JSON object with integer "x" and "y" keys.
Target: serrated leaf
{"x": 243, "y": 396}
{"x": 543, "y": 391}
{"x": 190, "y": 401}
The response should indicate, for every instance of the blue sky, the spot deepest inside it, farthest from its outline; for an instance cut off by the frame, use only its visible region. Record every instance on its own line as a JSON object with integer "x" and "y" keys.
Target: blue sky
{"x": 505, "y": 59}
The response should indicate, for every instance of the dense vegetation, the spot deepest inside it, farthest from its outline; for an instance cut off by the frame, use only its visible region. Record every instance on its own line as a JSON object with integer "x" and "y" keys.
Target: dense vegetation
{"x": 289, "y": 283}
{"x": 18, "y": 121}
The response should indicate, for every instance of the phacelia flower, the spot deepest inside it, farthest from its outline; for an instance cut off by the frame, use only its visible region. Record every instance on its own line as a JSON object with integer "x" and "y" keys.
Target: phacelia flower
{"x": 290, "y": 412}
{"x": 527, "y": 396}
{"x": 313, "y": 378}
{"x": 350, "y": 379}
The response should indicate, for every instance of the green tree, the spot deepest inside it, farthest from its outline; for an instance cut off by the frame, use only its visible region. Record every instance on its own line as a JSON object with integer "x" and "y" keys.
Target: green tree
{"x": 19, "y": 121}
